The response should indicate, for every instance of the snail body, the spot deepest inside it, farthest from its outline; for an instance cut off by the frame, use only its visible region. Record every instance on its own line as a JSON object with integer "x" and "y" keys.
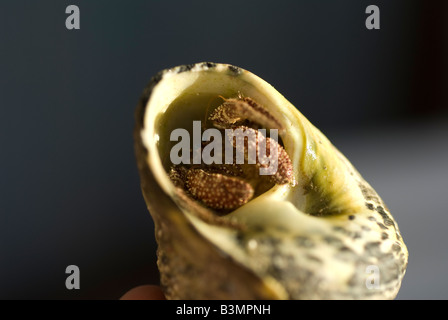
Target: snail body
{"x": 313, "y": 230}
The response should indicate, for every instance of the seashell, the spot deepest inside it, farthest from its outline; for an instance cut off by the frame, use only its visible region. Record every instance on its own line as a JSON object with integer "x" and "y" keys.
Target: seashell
{"x": 316, "y": 231}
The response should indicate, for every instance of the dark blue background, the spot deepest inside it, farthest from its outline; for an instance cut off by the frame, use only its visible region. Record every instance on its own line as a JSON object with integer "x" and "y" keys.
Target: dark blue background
{"x": 69, "y": 187}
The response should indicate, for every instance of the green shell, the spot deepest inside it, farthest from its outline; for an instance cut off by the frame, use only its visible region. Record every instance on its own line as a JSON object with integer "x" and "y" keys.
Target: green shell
{"x": 330, "y": 236}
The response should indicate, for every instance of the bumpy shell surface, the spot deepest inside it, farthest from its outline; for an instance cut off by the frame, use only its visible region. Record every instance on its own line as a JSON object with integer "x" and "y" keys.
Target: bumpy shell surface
{"x": 330, "y": 236}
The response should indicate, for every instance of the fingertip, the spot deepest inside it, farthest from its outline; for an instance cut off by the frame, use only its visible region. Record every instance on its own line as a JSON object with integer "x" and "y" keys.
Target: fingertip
{"x": 144, "y": 292}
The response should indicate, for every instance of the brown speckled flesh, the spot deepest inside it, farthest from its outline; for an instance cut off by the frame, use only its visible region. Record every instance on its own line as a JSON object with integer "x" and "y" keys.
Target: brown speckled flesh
{"x": 315, "y": 239}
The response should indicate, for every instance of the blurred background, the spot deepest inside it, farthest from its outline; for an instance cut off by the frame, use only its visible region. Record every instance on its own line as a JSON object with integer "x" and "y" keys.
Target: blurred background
{"x": 69, "y": 186}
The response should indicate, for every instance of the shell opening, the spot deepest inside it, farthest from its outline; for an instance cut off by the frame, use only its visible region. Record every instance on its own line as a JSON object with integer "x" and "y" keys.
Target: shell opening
{"x": 180, "y": 99}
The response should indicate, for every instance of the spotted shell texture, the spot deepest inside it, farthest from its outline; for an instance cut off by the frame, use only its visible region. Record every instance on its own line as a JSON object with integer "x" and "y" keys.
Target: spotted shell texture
{"x": 325, "y": 237}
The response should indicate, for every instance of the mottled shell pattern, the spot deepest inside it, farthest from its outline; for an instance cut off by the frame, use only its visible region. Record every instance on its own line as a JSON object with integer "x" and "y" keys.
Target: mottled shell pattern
{"x": 328, "y": 235}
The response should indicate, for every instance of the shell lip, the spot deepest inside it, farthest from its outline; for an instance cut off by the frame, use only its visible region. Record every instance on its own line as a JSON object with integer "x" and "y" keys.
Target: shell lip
{"x": 200, "y": 66}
